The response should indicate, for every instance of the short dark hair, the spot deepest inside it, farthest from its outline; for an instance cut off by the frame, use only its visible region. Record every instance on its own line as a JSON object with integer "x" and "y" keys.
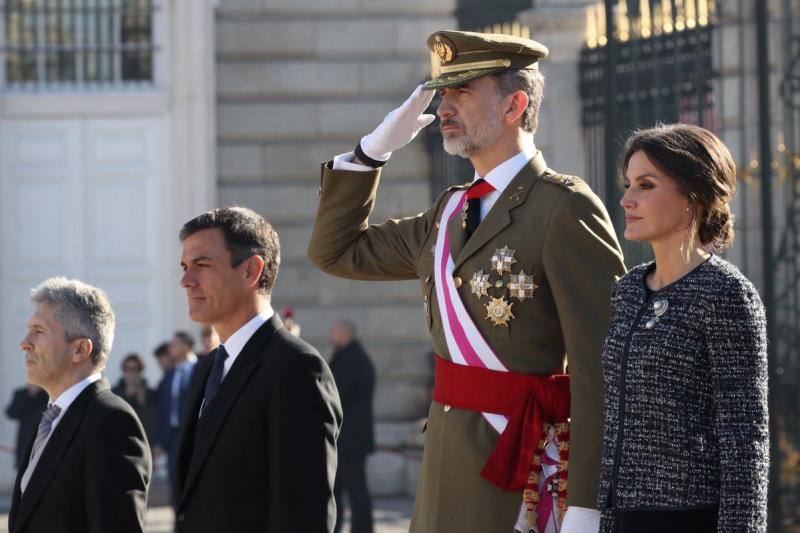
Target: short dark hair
{"x": 162, "y": 350}
{"x": 186, "y": 338}
{"x": 703, "y": 169}
{"x": 529, "y": 81}
{"x": 246, "y": 234}
{"x": 135, "y": 358}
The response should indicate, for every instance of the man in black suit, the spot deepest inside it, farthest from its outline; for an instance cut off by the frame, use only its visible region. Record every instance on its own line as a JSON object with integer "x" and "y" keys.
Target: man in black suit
{"x": 355, "y": 379}
{"x": 258, "y": 450}
{"x": 26, "y": 407}
{"x": 173, "y": 404}
{"x": 87, "y": 470}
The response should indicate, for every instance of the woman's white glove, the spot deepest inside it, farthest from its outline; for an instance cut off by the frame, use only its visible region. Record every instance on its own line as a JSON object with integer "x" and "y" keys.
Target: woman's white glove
{"x": 399, "y": 127}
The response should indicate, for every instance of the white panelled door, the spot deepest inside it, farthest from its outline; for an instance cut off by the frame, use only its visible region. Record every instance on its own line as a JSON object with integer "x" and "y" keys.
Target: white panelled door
{"x": 83, "y": 198}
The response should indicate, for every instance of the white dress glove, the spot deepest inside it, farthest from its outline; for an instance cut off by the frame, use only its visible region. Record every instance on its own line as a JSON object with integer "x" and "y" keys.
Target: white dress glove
{"x": 399, "y": 127}
{"x": 581, "y": 520}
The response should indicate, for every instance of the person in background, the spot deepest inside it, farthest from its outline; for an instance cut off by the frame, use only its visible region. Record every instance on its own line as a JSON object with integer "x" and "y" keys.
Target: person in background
{"x": 287, "y": 313}
{"x": 132, "y": 387}
{"x": 161, "y": 353}
{"x": 209, "y": 338}
{"x": 686, "y": 438}
{"x": 355, "y": 378}
{"x": 172, "y": 398}
{"x": 27, "y": 404}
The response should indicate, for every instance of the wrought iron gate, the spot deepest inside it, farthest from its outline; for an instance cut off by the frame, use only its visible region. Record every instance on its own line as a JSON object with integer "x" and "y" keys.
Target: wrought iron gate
{"x": 649, "y": 69}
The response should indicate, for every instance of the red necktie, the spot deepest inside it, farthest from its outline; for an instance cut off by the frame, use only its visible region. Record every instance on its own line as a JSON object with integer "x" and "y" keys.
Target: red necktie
{"x": 476, "y": 191}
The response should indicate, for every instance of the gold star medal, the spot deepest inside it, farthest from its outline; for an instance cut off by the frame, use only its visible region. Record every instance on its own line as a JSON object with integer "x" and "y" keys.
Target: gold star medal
{"x": 498, "y": 310}
{"x": 522, "y": 286}
{"x": 480, "y": 284}
{"x": 502, "y": 259}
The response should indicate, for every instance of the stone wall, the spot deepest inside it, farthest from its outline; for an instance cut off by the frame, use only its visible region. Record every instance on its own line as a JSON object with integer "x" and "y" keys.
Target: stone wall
{"x": 298, "y": 82}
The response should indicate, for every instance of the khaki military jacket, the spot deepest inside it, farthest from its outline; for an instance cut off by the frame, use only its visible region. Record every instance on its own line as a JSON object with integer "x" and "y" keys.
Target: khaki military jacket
{"x": 562, "y": 235}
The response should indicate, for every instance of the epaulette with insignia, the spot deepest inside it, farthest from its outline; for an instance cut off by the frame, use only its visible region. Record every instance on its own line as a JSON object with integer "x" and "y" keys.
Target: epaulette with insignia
{"x": 565, "y": 180}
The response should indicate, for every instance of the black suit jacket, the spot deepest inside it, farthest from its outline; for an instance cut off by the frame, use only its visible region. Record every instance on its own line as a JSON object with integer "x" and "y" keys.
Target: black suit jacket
{"x": 355, "y": 379}
{"x": 93, "y": 474}
{"x": 263, "y": 456}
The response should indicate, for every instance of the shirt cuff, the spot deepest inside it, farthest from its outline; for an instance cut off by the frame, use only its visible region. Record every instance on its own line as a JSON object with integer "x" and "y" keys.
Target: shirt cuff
{"x": 581, "y": 520}
{"x": 345, "y": 162}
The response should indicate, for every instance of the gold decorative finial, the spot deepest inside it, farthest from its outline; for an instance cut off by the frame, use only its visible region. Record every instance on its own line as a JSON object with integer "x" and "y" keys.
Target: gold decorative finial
{"x": 591, "y": 27}
{"x": 623, "y": 23}
{"x": 646, "y": 22}
{"x": 602, "y": 35}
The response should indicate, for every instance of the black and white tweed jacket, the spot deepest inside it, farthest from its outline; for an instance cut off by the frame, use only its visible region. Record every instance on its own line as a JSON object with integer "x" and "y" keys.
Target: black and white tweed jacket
{"x": 686, "y": 421}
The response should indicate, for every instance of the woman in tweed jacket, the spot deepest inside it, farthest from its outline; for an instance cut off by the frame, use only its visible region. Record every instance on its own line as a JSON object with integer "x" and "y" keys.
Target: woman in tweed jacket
{"x": 685, "y": 445}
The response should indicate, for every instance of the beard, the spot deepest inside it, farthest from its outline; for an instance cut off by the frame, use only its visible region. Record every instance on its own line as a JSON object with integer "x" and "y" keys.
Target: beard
{"x": 473, "y": 139}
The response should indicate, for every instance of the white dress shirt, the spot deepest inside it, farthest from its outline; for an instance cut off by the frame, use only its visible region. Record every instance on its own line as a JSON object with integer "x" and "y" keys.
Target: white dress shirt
{"x": 63, "y": 401}
{"x": 235, "y": 343}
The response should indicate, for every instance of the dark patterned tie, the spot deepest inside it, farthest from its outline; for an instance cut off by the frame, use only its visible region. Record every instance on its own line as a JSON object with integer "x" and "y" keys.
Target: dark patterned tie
{"x": 215, "y": 377}
{"x": 45, "y": 425}
{"x": 476, "y": 191}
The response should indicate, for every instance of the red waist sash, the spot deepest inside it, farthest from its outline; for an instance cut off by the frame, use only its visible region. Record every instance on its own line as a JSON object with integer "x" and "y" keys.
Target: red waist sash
{"x": 529, "y": 402}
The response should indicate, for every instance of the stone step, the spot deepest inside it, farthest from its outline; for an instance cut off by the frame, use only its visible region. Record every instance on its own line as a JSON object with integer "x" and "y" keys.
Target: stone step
{"x": 319, "y": 80}
{"x": 305, "y": 284}
{"x": 388, "y": 321}
{"x": 378, "y": 36}
{"x": 340, "y": 7}
{"x": 289, "y": 120}
{"x": 263, "y": 163}
{"x": 298, "y": 203}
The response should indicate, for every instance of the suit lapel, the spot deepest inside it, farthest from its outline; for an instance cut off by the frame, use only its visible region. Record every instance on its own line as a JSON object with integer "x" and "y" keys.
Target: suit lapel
{"x": 189, "y": 424}
{"x": 53, "y": 452}
{"x": 499, "y": 216}
{"x": 215, "y": 414}
{"x": 17, "y": 495}
{"x": 457, "y": 234}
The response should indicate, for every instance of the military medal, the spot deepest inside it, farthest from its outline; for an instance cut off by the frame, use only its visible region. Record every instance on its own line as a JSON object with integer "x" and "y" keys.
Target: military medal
{"x": 502, "y": 259}
{"x": 498, "y": 310}
{"x": 464, "y": 217}
{"x": 522, "y": 286}
{"x": 479, "y": 284}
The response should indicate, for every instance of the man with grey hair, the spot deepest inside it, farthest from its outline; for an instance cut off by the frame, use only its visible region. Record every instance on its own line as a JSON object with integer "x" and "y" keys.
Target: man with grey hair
{"x": 88, "y": 468}
{"x": 516, "y": 269}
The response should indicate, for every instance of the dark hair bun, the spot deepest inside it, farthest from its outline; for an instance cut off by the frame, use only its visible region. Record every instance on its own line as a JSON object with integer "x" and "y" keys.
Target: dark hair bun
{"x": 716, "y": 228}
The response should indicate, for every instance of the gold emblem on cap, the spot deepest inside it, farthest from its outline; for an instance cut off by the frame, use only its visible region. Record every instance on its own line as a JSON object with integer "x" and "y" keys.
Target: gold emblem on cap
{"x": 498, "y": 310}
{"x": 522, "y": 286}
{"x": 444, "y": 49}
{"x": 479, "y": 284}
{"x": 502, "y": 259}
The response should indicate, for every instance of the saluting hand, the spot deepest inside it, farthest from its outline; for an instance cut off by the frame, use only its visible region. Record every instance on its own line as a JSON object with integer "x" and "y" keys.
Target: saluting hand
{"x": 399, "y": 127}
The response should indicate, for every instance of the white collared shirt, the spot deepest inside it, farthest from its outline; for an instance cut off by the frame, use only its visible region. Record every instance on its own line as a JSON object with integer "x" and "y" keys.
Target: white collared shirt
{"x": 235, "y": 343}
{"x": 499, "y": 177}
{"x": 64, "y": 400}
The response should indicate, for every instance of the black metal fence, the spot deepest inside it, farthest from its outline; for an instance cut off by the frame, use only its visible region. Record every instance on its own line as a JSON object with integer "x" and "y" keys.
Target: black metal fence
{"x": 661, "y": 78}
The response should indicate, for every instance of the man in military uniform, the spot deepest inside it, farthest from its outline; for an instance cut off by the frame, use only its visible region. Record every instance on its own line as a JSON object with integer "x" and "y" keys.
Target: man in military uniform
{"x": 516, "y": 269}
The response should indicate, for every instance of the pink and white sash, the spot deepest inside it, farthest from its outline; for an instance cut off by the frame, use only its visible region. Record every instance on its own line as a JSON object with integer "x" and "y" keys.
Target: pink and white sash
{"x": 467, "y": 346}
